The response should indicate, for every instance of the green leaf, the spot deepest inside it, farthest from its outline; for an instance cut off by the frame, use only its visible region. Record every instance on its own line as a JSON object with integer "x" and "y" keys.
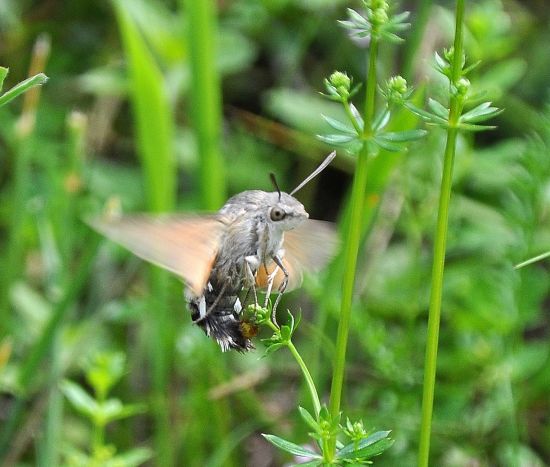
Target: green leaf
{"x": 131, "y": 458}
{"x": 79, "y": 399}
{"x": 391, "y": 37}
{"x": 400, "y": 18}
{"x": 357, "y": 115}
{"x": 425, "y": 115}
{"x": 438, "y": 109}
{"x": 480, "y": 113}
{"x": 290, "y": 447}
{"x": 113, "y": 409}
{"x": 286, "y": 333}
{"x": 403, "y": 136}
{"x": 313, "y": 463}
{"x": 104, "y": 371}
{"x": 339, "y": 126}
{"x": 308, "y": 418}
{"x": 381, "y": 120}
{"x": 366, "y": 448}
{"x": 440, "y": 61}
{"x": 336, "y": 139}
{"x": 153, "y": 114}
{"x": 472, "y": 127}
{"x": 468, "y": 69}
{"x": 20, "y": 88}
{"x": 388, "y": 146}
{"x": 273, "y": 347}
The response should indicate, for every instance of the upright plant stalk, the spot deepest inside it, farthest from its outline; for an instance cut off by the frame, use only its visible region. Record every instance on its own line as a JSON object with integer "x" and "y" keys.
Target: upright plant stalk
{"x": 352, "y": 242}
{"x": 439, "y": 248}
{"x": 206, "y": 99}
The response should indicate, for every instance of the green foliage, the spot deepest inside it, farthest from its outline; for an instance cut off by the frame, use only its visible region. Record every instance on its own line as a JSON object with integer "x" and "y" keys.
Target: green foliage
{"x": 65, "y": 295}
{"x": 102, "y": 373}
{"x": 20, "y": 88}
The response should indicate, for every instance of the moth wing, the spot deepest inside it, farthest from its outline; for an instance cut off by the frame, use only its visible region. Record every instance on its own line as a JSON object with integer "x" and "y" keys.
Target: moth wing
{"x": 308, "y": 247}
{"x": 184, "y": 245}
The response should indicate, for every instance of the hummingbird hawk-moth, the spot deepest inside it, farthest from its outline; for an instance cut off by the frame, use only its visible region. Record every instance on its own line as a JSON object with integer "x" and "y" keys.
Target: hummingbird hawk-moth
{"x": 257, "y": 240}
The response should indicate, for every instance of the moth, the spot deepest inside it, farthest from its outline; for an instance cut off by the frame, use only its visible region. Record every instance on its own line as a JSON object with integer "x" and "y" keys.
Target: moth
{"x": 257, "y": 241}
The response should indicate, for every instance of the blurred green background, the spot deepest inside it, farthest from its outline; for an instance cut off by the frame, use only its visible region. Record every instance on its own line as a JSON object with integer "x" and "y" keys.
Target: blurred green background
{"x": 161, "y": 106}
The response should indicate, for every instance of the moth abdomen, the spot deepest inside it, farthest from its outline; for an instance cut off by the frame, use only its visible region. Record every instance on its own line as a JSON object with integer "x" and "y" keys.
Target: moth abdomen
{"x": 217, "y": 313}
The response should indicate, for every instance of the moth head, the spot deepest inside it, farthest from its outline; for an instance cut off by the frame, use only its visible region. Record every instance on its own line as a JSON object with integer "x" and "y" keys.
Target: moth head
{"x": 285, "y": 212}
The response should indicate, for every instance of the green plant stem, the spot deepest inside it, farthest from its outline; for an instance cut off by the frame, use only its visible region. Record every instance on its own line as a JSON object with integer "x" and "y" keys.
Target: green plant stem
{"x": 438, "y": 267}
{"x": 305, "y": 371}
{"x": 532, "y": 260}
{"x": 206, "y": 99}
{"x": 370, "y": 94}
{"x": 351, "y": 117}
{"x": 435, "y": 300}
{"x": 98, "y": 438}
{"x": 307, "y": 376}
{"x": 353, "y": 239}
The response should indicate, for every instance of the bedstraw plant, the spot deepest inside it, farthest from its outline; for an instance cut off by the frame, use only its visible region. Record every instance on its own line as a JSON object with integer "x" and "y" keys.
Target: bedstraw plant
{"x": 102, "y": 372}
{"x": 364, "y": 134}
{"x": 452, "y": 118}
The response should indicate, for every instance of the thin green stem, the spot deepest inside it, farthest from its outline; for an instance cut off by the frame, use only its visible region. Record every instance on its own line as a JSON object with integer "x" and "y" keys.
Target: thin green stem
{"x": 435, "y": 300}
{"x": 353, "y": 239}
{"x": 532, "y": 260}
{"x": 98, "y": 438}
{"x": 438, "y": 267}
{"x": 370, "y": 95}
{"x": 351, "y": 117}
{"x": 305, "y": 371}
{"x": 351, "y": 251}
{"x": 307, "y": 375}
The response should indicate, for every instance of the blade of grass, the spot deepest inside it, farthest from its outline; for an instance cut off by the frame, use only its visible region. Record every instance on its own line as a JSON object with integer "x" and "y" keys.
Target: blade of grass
{"x": 206, "y": 99}
{"x": 154, "y": 132}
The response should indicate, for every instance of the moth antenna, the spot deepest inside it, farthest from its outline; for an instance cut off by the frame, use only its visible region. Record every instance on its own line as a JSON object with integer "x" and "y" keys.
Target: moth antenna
{"x": 316, "y": 172}
{"x": 275, "y": 184}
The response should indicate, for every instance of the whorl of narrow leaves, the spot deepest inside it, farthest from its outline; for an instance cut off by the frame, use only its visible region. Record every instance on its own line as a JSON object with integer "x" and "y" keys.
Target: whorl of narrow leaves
{"x": 351, "y": 134}
{"x": 439, "y": 115}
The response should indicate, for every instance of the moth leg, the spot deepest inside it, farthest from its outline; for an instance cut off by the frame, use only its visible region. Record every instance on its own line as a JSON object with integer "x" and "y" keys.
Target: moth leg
{"x": 218, "y": 298}
{"x": 251, "y": 266}
{"x": 270, "y": 280}
{"x": 279, "y": 262}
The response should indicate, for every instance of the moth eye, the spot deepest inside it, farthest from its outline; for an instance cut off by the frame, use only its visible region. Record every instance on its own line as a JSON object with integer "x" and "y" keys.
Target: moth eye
{"x": 277, "y": 214}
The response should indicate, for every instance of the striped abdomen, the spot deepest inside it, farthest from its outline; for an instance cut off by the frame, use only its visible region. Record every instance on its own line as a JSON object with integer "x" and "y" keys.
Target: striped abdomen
{"x": 217, "y": 312}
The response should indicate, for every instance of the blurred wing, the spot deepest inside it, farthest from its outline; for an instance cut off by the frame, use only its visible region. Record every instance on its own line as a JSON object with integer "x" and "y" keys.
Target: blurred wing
{"x": 186, "y": 246}
{"x": 308, "y": 247}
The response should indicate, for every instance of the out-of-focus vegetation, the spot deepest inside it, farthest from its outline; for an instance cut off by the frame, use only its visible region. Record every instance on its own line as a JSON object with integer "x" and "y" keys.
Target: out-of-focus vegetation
{"x": 118, "y": 122}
